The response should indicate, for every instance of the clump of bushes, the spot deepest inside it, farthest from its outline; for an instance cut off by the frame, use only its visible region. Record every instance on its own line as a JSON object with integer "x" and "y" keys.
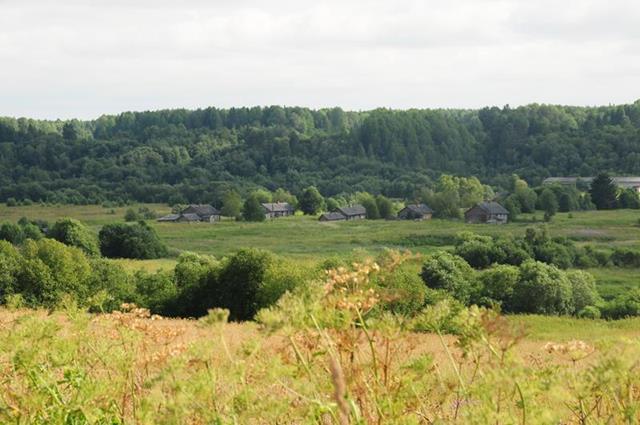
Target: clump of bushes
{"x": 143, "y": 213}
{"x": 73, "y": 233}
{"x": 20, "y": 232}
{"x": 44, "y": 272}
{"x": 532, "y": 287}
{"x": 483, "y": 251}
{"x": 139, "y": 241}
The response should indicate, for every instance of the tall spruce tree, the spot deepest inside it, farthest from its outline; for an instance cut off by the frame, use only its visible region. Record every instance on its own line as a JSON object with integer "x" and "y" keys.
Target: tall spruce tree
{"x": 603, "y": 192}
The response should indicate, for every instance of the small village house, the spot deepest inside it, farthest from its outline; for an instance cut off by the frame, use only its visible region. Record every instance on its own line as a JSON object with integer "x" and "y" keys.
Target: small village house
{"x": 203, "y": 212}
{"x": 332, "y": 216}
{"x": 487, "y": 212}
{"x": 354, "y": 212}
{"x": 278, "y": 209}
{"x": 193, "y": 213}
{"x": 415, "y": 212}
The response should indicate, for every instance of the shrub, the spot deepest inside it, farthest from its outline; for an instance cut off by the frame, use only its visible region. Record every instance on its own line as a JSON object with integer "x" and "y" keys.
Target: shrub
{"x": 146, "y": 213}
{"x": 625, "y": 257}
{"x": 11, "y": 202}
{"x": 624, "y": 305}
{"x": 542, "y": 289}
{"x": 554, "y": 253}
{"x": 131, "y": 215}
{"x": 478, "y": 252}
{"x": 156, "y": 291}
{"x": 404, "y": 292}
{"x": 450, "y": 273}
{"x": 31, "y": 231}
{"x": 10, "y": 261}
{"x": 281, "y": 276}
{"x": 131, "y": 241}
{"x": 12, "y": 233}
{"x": 50, "y": 270}
{"x": 583, "y": 289}
{"x": 311, "y": 201}
{"x": 73, "y": 233}
{"x": 239, "y": 283}
{"x": 589, "y": 312}
{"x": 110, "y": 286}
{"x": 252, "y": 209}
{"x": 497, "y": 286}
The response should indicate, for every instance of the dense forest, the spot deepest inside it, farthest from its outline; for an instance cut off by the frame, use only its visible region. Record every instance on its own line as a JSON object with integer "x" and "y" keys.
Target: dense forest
{"x": 181, "y": 156}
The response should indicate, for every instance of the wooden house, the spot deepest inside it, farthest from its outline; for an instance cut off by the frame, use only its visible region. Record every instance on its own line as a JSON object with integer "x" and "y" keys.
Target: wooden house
{"x": 205, "y": 213}
{"x": 354, "y": 212}
{"x": 415, "y": 212}
{"x": 278, "y": 209}
{"x": 333, "y": 216}
{"x": 487, "y": 212}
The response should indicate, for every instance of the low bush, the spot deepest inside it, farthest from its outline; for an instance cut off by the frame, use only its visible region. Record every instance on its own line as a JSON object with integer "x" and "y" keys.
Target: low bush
{"x": 138, "y": 241}
{"x": 625, "y": 257}
{"x": 451, "y": 273}
{"x": 73, "y": 233}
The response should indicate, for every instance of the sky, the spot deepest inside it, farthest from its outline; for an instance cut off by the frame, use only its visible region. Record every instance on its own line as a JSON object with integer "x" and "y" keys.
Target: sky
{"x": 84, "y": 58}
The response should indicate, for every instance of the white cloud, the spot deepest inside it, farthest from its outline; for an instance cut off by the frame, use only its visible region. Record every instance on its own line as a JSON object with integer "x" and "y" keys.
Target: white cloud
{"x": 78, "y": 58}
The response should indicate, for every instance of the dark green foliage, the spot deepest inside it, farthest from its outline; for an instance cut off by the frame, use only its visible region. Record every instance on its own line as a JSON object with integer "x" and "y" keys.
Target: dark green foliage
{"x": 32, "y": 231}
{"x": 131, "y": 215}
{"x": 157, "y": 292}
{"x": 629, "y": 199}
{"x": 231, "y": 204}
{"x": 450, "y": 273}
{"x": 445, "y": 204}
{"x": 49, "y": 271}
{"x": 73, "y": 233}
{"x": 583, "y": 290}
{"x": 404, "y": 292}
{"x": 239, "y": 283}
{"x": 385, "y": 207}
{"x": 370, "y": 205}
{"x": 603, "y": 192}
{"x": 252, "y": 209}
{"x": 180, "y": 156}
{"x": 548, "y": 203}
{"x": 110, "y": 286}
{"x": 11, "y": 233}
{"x": 513, "y": 206}
{"x": 589, "y": 312}
{"x": 311, "y": 201}
{"x": 624, "y": 305}
{"x": 625, "y": 257}
{"x": 498, "y": 285}
{"x": 542, "y": 289}
{"x": 131, "y": 241}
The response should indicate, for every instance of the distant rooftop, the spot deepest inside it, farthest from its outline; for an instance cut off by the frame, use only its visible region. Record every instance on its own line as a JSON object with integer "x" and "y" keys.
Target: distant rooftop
{"x": 625, "y": 182}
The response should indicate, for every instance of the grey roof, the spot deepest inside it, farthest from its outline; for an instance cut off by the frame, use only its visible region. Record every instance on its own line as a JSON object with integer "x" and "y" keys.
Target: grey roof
{"x": 201, "y": 210}
{"x": 421, "y": 209}
{"x": 493, "y": 208}
{"x": 170, "y": 217}
{"x": 353, "y": 210}
{"x": 332, "y": 216}
{"x": 625, "y": 182}
{"x": 277, "y": 206}
{"x": 191, "y": 217}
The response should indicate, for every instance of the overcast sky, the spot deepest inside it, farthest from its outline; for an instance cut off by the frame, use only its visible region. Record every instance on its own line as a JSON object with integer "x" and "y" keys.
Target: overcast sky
{"x": 85, "y": 58}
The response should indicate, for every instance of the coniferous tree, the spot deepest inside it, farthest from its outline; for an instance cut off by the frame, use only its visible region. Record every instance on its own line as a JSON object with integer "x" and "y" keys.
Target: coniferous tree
{"x": 603, "y": 192}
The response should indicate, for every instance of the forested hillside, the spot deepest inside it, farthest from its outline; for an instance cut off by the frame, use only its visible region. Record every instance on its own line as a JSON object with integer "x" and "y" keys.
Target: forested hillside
{"x": 196, "y": 156}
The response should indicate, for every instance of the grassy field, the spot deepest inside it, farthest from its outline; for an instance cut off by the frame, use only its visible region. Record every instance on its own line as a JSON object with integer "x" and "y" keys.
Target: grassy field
{"x": 307, "y": 240}
{"x": 70, "y": 367}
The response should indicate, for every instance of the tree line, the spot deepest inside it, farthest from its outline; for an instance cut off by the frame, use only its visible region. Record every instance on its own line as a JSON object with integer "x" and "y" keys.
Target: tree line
{"x": 181, "y": 156}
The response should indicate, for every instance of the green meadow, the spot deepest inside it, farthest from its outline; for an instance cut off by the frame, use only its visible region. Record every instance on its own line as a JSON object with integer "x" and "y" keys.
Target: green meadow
{"x": 306, "y": 240}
